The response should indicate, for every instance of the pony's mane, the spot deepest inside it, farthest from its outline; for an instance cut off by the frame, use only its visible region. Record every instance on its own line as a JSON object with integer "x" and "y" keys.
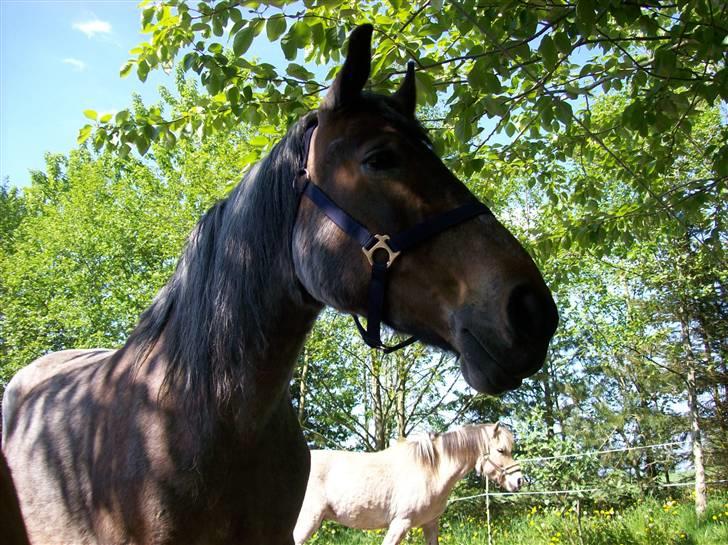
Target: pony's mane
{"x": 468, "y": 441}
{"x": 210, "y": 316}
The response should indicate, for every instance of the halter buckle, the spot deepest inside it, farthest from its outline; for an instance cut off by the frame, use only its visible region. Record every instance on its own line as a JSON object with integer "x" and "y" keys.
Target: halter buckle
{"x": 381, "y": 244}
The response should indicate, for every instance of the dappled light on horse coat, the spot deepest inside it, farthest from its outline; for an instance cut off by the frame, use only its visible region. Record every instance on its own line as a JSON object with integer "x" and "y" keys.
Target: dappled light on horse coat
{"x": 405, "y": 486}
{"x": 186, "y": 434}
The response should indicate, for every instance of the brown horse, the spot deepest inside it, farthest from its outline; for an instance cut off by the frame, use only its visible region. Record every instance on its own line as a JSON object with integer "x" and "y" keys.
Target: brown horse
{"x": 186, "y": 434}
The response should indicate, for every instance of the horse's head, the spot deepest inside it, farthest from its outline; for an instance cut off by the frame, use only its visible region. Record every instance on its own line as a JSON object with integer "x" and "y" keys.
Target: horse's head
{"x": 497, "y": 463}
{"x": 468, "y": 286}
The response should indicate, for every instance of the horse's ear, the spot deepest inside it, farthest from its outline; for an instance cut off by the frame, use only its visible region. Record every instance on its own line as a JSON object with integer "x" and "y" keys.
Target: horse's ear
{"x": 496, "y": 429}
{"x": 353, "y": 75}
{"x": 406, "y": 95}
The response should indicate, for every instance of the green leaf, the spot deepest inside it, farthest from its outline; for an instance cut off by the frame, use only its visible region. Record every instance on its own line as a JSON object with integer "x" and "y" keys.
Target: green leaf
{"x": 562, "y": 42}
{"x": 301, "y": 32}
{"x": 463, "y": 130}
{"x": 495, "y": 106}
{"x": 298, "y": 71}
{"x": 426, "y": 87}
{"x": 142, "y": 70}
{"x": 142, "y": 144}
{"x": 242, "y": 40}
{"x": 188, "y": 61}
{"x": 84, "y": 133}
{"x": 563, "y": 112}
{"x": 288, "y": 46}
{"x": 91, "y": 114}
{"x": 480, "y": 71}
{"x": 720, "y": 163}
{"x": 275, "y": 27}
{"x": 124, "y": 71}
{"x": 218, "y": 25}
{"x": 586, "y": 14}
{"x": 491, "y": 83}
{"x": 106, "y": 118}
{"x": 233, "y": 95}
{"x": 258, "y": 141}
{"x": 548, "y": 52}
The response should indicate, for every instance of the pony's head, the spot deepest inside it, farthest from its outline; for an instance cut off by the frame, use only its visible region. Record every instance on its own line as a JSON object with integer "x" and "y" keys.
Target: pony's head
{"x": 470, "y": 288}
{"x": 497, "y": 463}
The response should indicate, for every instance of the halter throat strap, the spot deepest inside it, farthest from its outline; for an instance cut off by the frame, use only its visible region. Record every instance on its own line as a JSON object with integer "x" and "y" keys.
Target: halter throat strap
{"x": 380, "y": 250}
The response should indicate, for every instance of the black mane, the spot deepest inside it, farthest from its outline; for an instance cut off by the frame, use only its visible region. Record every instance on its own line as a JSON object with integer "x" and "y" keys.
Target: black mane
{"x": 210, "y": 315}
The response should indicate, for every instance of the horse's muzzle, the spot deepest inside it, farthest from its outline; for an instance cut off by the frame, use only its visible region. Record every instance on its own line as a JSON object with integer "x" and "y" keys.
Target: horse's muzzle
{"x": 499, "y": 349}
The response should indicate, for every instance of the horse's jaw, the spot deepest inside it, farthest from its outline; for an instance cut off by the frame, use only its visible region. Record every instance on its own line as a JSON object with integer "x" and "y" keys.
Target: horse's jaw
{"x": 481, "y": 370}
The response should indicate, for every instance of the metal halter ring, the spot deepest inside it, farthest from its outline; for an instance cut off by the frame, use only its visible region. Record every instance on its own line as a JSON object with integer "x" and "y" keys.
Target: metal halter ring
{"x": 380, "y": 245}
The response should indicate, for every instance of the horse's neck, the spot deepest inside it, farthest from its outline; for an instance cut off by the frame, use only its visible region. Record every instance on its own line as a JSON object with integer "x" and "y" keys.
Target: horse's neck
{"x": 451, "y": 469}
{"x": 268, "y": 372}
{"x": 456, "y": 468}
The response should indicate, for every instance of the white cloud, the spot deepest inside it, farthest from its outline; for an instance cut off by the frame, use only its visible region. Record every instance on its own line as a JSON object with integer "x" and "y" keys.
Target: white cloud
{"x": 92, "y": 27}
{"x": 78, "y": 66}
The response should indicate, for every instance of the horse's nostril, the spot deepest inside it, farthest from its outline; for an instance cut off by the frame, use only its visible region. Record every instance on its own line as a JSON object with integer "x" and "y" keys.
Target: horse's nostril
{"x": 519, "y": 482}
{"x": 532, "y": 314}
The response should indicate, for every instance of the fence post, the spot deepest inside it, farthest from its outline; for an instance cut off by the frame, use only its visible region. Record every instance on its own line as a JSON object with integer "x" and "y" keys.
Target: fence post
{"x": 487, "y": 508}
{"x": 578, "y": 520}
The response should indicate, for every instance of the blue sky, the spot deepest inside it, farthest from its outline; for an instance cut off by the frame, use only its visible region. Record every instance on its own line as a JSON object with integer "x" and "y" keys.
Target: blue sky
{"x": 58, "y": 58}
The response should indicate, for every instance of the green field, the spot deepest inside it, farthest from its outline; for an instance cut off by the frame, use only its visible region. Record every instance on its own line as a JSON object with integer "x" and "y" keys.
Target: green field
{"x": 651, "y": 522}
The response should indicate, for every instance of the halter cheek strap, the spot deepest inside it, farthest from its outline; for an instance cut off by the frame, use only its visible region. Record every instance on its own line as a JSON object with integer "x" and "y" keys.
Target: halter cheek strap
{"x": 501, "y": 471}
{"x": 387, "y": 248}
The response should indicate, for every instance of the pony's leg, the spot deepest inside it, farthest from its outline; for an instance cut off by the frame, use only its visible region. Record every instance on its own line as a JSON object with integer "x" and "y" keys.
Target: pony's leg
{"x": 431, "y": 532}
{"x": 398, "y": 528}
{"x": 306, "y": 525}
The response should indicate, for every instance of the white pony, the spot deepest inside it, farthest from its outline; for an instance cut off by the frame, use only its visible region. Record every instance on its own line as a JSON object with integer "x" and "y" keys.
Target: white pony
{"x": 406, "y": 485}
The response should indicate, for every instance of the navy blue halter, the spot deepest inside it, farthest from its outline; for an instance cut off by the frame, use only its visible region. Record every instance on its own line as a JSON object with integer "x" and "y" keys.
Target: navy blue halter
{"x": 392, "y": 245}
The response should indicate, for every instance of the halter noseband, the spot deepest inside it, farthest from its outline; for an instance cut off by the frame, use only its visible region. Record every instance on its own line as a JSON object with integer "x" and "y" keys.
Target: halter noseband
{"x": 392, "y": 245}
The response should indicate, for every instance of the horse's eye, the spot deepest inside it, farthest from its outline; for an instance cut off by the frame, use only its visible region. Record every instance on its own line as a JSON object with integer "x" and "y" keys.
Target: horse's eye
{"x": 501, "y": 451}
{"x": 381, "y": 159}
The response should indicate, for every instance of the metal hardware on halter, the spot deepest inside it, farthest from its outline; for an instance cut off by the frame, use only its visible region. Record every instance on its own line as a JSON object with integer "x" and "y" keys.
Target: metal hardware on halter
{"x": 393, "y": 245}
{"x": 381, "y": 244}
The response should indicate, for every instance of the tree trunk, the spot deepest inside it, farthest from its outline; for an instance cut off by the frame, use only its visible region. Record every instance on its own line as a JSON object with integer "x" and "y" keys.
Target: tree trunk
{"x": 302, "y": 388}
{"x": 401, "y": 394}
{"x": 380, "y": 428}
{"x": 692, "y": 391}
{"x": 548, "y": 400}
{"x": 700, "y": 489}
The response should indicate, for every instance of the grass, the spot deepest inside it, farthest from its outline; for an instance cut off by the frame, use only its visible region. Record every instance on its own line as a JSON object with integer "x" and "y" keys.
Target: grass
{"x": 651, "y": 522}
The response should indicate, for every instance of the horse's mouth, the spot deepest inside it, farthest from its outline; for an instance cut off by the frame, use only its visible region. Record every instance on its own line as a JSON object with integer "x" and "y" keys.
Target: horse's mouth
{"x": 481, "y": 370}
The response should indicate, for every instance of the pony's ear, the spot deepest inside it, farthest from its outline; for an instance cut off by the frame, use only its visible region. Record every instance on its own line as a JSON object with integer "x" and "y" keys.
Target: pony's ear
{"x": 406, "y": 95}
{"x": 353, "y": 75}
{"x": 496, "y": 429}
